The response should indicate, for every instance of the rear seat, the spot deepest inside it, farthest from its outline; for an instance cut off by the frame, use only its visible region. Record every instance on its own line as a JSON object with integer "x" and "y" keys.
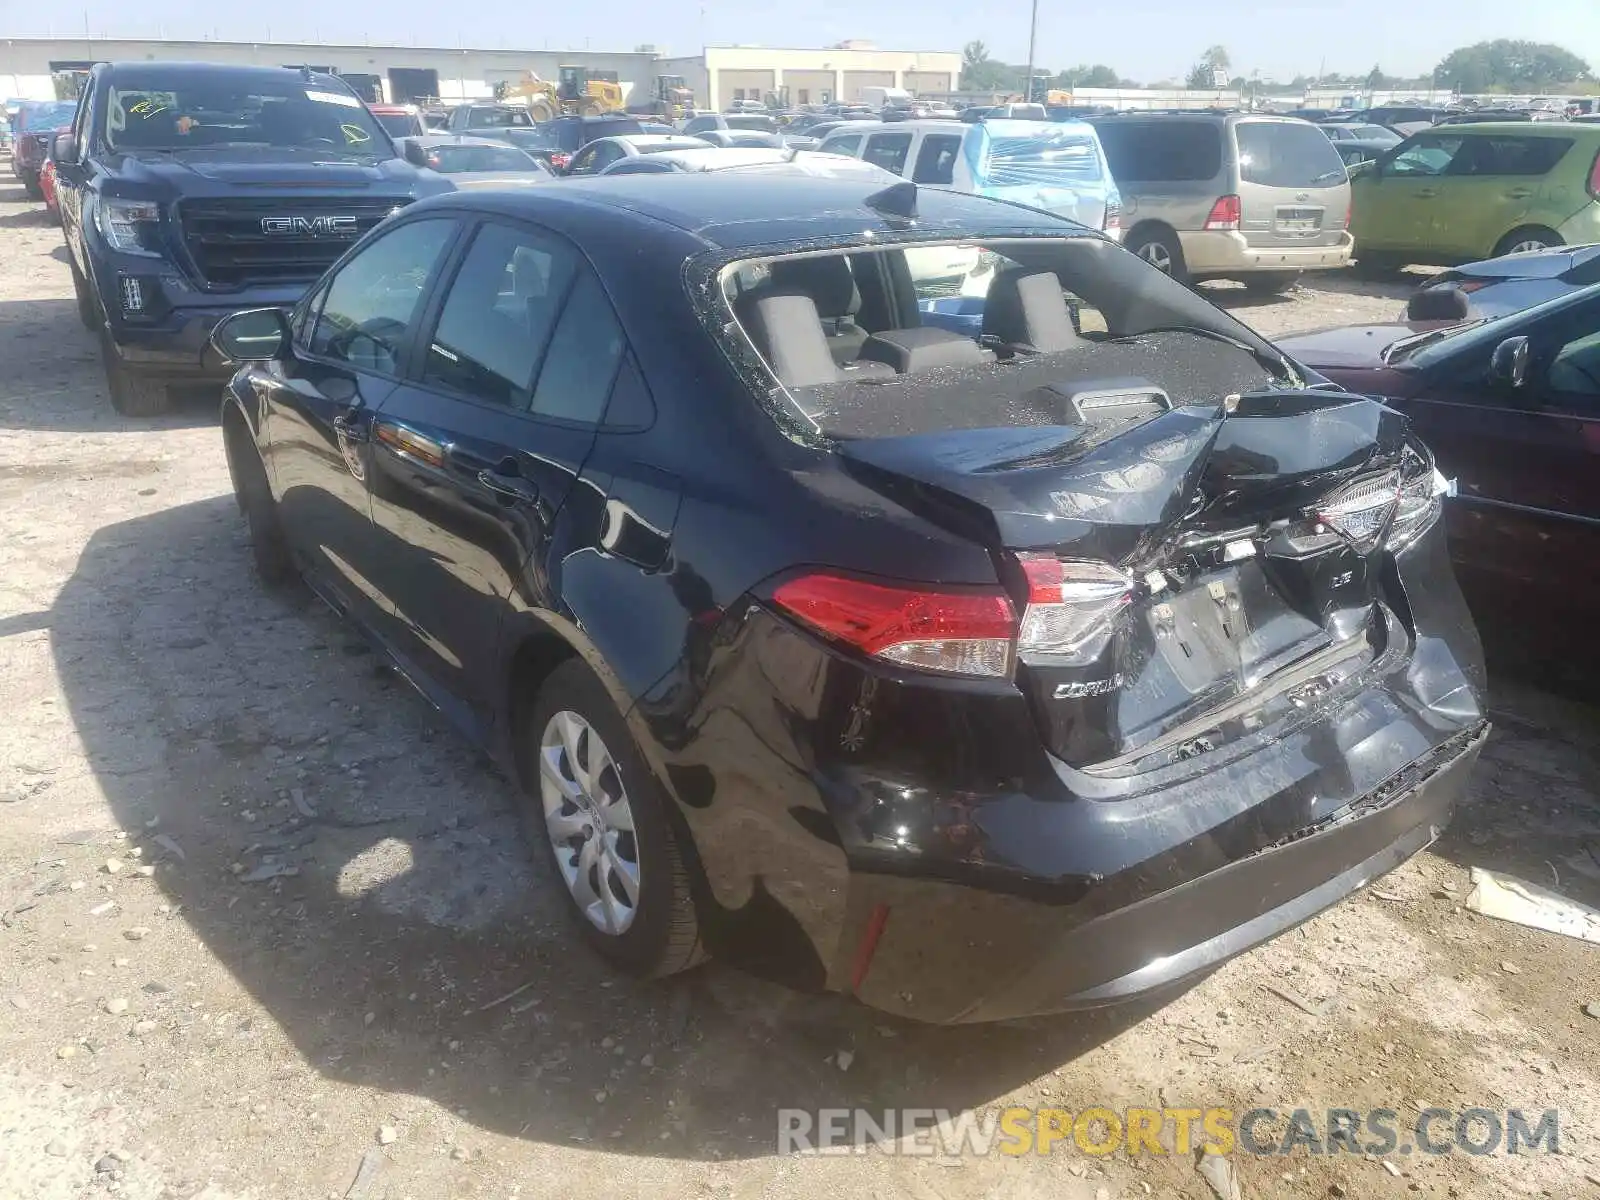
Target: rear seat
{"x": 1026, "y": 313}
{"x": 832, "y": 289}
{"x": 784, "y": 326}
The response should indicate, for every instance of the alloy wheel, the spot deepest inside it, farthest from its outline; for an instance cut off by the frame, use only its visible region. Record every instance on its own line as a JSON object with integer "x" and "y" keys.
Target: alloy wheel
{"x": 1157, "y": 256}
{"x": 589, "y": 821}
{"x": 1528, "y": 244}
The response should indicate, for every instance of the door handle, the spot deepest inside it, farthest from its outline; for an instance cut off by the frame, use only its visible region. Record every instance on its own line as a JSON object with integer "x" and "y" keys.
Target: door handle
{"x": 512, "y": 487}
{"x": 1519, "y": 193}
{"x": 347, "y": 427}
{"x": 1425, "y": 193}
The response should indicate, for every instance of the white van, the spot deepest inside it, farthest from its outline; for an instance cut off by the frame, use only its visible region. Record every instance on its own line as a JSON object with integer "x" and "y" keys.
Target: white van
{"x": 885, "y": 97}
{"x": 1056, "y": 166}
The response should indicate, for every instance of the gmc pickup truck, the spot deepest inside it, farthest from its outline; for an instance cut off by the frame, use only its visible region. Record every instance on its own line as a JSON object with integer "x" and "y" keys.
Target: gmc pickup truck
{"x": 190, "y": 191}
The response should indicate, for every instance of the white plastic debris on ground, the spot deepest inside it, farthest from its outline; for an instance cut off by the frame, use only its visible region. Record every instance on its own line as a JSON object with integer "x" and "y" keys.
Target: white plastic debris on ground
{"x": 1524, "y": 903}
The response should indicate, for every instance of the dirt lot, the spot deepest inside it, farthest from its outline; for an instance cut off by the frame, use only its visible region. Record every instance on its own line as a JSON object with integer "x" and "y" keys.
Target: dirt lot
{"x": 172, "y": 1023}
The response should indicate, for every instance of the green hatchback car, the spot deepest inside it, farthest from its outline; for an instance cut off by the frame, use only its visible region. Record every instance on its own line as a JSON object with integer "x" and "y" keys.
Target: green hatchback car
{"x": 1461, "y": 193}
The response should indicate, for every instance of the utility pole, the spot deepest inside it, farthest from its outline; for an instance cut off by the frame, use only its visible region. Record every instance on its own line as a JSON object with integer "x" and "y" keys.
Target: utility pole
{"x": 1033, "y": 33}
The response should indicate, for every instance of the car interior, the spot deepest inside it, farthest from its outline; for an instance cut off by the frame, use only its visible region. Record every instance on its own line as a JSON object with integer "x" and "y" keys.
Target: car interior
{"x": 841, "y": 327}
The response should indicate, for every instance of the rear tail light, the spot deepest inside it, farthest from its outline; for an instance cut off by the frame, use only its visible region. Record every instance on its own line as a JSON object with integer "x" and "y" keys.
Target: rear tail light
{"x": 132, "y": 289}
{"x": 1360, "y": 511}
{"x": 1349, "y": 211}
{"x": 1070, "y": 606}
{"x": 560, "y": 159}
{"x": 1594, "y": 178}
{"x": 1225, "y": 213}
{"x": 1422, "y": 492}
{"x": 1398, "y": 507}
{"x": 954, "y": 633}
{"x": 1112, "y": 224}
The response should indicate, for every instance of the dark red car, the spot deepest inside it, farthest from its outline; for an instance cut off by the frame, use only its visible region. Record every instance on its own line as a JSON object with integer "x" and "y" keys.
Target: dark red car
{"x": 1511, "y": 408}
{"x": 37, "y": 125}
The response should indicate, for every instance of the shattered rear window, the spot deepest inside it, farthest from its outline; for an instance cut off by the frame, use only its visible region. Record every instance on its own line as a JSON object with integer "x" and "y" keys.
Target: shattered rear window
{"x": 931, "y": 336}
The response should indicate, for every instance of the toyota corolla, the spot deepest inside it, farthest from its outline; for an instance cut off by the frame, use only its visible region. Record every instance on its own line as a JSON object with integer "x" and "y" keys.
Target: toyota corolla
{"x": 983, "y": 671}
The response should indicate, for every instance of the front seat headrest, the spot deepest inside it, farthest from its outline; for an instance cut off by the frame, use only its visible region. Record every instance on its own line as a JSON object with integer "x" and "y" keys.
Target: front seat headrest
{"x": 826, "y": 280}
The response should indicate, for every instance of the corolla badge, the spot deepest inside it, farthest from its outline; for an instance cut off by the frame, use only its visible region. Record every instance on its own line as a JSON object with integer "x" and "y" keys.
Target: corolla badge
{"x": 324, "y": 225}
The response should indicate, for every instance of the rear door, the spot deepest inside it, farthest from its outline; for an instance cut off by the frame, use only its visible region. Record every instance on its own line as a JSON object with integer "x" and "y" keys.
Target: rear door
{"x": 1293, "y": 190}
{"x": 1495, "y": 185}
{"x": 476, "y": 452}
{"x": 936, "y": 159}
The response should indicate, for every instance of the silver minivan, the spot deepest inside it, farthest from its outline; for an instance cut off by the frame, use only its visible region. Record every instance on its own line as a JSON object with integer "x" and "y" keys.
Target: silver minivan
{"x": 1229, "y": 196}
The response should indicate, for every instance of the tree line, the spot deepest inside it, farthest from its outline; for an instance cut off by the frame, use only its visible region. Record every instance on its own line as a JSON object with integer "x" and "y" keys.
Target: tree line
{"x": 1503, "y": 65}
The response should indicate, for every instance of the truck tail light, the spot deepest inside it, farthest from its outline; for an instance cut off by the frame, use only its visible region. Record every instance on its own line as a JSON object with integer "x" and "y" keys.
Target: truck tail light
{"x": 1225, "y": 213}
{"x": 967, "y": 632}
{"x": 1070, "y": 603}
{"x": 132, "y": 290}
{"x": 1594, "y": 178}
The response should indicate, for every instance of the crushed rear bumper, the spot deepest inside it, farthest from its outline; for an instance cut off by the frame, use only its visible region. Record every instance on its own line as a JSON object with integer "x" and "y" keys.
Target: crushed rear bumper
{"x": 950, "y": 953}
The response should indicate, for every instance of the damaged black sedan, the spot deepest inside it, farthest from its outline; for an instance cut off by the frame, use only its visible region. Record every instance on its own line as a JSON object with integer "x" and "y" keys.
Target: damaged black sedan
{"x": 901, "y": 593}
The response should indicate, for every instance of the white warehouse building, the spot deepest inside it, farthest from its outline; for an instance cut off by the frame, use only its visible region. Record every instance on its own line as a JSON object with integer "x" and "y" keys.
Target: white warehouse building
{"x": 722, "y": 74}
{"x": 394, "y": 74}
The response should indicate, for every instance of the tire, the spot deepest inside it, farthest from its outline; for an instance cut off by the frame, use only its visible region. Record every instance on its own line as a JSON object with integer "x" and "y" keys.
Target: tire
{"x": 32, "y": 188}
{"x": 1161, "y": 249}
{"x": 131, "y": 395}
{"x": 1376, "y": 266}
{"x": 589, "y": 108}
{"x": 569, "y": 726}
{"x": 268, "y": 547}
{"x": 1271, "y": 283}
{"x": 1530, "y": 237}
{"x": 88, "y": 307}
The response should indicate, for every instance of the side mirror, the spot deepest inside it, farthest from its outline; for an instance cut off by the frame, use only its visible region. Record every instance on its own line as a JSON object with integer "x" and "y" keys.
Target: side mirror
{"x": 255, "y": 335}
{"x": 1508, "y": 366}
{"x": 64, "y": 149}
{"x": 413, "y": 152}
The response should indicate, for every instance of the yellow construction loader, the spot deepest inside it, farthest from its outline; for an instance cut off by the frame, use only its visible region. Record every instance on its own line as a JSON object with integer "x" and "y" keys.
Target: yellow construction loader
{"x": 579, "y": 92}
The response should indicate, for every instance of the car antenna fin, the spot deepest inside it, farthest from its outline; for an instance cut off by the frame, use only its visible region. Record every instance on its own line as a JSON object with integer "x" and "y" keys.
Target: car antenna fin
{"x": 896, "y": 200}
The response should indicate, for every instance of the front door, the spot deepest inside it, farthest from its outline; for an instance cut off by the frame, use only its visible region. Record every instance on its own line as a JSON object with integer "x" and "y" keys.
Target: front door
{"x": 476, "y": 454}
{"x": 352, "y": 345}
{"x": 1395, "y": 203}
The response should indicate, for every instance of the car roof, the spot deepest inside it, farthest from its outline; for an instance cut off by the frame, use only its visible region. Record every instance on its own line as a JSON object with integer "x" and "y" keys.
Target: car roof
{"x": 714, "y": 158}
{"x": 731, "y": 210}
{"x": 594, "y": 118}
{"x": 165, "y": 75}
{"x": 459, "y": 139}
{"x": 1520, "y": 128}
{"x": 947, "y": 124}
{"x": 686, "y": 140}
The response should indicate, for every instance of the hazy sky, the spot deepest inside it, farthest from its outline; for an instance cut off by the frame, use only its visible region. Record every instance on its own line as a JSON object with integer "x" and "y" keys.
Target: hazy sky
{"x": 1144, "y": 39}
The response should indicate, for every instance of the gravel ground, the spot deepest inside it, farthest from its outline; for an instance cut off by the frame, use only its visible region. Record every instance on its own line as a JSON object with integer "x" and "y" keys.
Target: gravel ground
{"x": 256, "y": 899}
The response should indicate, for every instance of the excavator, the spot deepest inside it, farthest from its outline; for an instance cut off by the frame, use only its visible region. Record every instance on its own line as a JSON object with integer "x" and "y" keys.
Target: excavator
{"x": 580, "y": 92}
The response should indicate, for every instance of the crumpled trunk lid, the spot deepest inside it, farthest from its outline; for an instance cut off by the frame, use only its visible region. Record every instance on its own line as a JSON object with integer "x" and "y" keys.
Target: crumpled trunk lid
{"x": 1237, "y": 599}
